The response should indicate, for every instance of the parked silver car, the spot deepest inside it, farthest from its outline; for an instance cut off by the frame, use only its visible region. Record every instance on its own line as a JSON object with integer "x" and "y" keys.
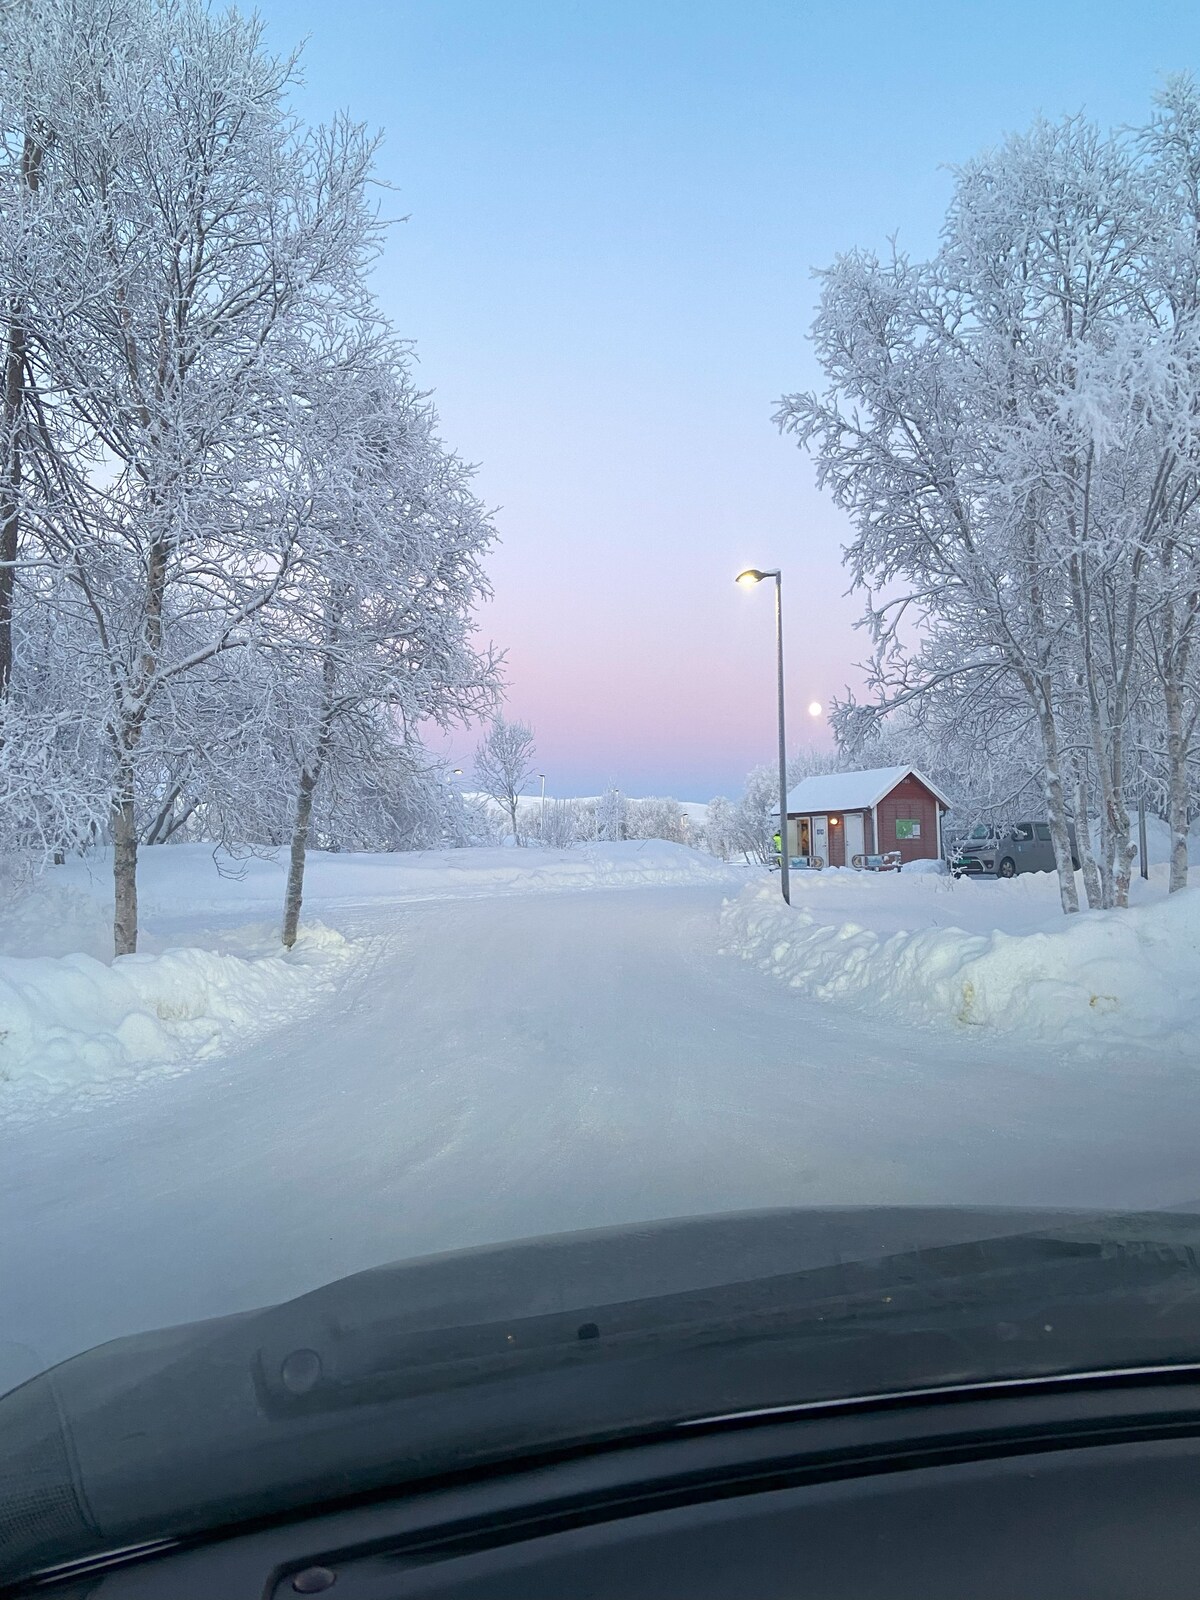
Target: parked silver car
{"x": 1002, "y": 853}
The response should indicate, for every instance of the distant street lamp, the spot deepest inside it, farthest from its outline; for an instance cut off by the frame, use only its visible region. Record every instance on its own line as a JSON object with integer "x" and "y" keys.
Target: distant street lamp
{"x": 747, "y": 580}
{"x": 542, "y": 776}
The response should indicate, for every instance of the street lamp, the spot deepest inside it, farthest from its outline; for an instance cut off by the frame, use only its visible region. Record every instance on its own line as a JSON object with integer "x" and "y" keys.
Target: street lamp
{"x": 542, "y": 776}
{"x": 747, "y": 580}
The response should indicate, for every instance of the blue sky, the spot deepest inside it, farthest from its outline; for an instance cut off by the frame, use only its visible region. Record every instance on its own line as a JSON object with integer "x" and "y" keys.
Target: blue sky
{"x": 612, "y": 212}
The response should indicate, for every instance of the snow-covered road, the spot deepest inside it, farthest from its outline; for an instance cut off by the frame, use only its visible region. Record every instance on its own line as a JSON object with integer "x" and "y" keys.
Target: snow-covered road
{"x": 503, "y": 1066}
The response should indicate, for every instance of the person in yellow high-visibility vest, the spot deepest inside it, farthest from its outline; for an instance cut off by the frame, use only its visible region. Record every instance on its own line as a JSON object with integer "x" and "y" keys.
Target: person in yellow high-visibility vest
{"x": 777, "y": 842}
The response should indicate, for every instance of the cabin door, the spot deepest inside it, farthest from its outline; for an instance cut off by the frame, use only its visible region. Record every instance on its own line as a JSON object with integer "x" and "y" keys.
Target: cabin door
{"x": 820, "y": 840}
{"x": 856, "y": 842}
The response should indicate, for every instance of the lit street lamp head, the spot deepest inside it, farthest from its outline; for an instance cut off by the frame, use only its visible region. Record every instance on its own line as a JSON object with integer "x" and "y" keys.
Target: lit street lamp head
{"x": 752, "y": 575}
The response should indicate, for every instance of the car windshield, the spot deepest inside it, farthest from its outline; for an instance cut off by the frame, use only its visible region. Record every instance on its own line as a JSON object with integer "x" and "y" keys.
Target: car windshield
{"x": 542, "y": 550}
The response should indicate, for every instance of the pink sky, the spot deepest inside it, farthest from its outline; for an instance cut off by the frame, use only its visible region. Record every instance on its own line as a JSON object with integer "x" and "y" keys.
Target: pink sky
{"x": 613, "y": 212}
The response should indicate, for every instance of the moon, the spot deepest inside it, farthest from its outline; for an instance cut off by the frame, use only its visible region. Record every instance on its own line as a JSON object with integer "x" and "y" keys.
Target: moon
{"x": 815, "y": 708}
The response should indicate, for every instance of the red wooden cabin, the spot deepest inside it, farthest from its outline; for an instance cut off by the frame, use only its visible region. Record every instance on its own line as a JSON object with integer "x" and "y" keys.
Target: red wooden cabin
{"x": 840, "y": 815}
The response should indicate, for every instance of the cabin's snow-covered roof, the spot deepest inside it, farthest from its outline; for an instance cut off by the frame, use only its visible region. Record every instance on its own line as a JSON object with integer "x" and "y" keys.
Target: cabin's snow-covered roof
{"x": 851, "y": 791}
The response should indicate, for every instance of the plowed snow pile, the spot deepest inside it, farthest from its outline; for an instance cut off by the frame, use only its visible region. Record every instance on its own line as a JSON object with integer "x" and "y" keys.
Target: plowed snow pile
{"x": 73, "y": 1019}
{"x": 983, "y": 954}
{"x": 206, "y": 983}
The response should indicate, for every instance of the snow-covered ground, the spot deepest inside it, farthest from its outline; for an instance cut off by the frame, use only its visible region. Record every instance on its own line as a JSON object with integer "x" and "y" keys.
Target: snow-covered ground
{"x": 696, "y": 811}
{"x": 491, "y": 1044}
{"x": 69, "y": 908}
{"x": 980, "y": 953}
{"x": 71, "y": 1020}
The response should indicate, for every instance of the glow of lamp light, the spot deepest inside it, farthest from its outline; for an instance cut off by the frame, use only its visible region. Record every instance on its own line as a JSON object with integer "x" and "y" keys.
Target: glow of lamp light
{"x": 815, "y": 708}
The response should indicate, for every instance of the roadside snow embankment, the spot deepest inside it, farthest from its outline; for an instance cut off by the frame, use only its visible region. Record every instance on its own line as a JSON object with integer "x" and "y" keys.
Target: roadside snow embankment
{"x": 629, "y": 864}
{"x": 1019, "y": 966}
{"x": 189, "y": 882}
{"x": 72, "y": 1020}
{"x": 184, "y": 874}
{"x": 69, "y": 1018}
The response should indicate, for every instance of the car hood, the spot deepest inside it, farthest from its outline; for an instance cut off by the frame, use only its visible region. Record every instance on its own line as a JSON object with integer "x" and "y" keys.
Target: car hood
{"x": 410, "y": 1372}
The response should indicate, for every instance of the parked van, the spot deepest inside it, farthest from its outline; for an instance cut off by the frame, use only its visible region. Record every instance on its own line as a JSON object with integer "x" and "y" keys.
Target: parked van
{"x": 1024, "y": 847}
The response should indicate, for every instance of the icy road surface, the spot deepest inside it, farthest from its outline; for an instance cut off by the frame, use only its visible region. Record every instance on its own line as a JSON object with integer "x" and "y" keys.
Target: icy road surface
{"x": 497, "y": 1067}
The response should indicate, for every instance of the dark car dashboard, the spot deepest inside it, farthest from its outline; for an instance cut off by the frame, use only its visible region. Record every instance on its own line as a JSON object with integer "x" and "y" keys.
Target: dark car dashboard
{"x": 1043, "y": 1489}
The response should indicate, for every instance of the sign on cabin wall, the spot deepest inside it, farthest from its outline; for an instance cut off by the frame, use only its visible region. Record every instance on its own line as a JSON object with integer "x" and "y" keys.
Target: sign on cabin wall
{"x": 907, "y": 828}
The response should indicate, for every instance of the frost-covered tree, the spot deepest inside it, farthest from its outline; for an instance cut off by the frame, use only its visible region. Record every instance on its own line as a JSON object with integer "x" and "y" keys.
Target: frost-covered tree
{"x": 1011, "y": 427}
{"x": 611, "y": 810}
{"x": 584, "y": 814}
{"x": 720, "y": 828}
{"x": 1170, "y": 150}
{"x": 206, "y": 259}
{"x": 377, "y": 633}
{"x": 25, "y": 130}
{"x": 559, "y": 829}
{"x": 656, "y": 818}
{"x": 756, "y": 814}
{"x": 414, "y": 806}
{"x": 504, "y": 767}
{"x": 236, "y": 563}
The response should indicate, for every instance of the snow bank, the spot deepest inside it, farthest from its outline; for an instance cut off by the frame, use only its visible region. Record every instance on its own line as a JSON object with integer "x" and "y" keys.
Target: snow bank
{"x": 896, "y": 945}
{"x": 632, "y": 863}
{"x": 73, "y": 1020}
{"x": 70, "y": 1018}
{"x": 177, "y": 881}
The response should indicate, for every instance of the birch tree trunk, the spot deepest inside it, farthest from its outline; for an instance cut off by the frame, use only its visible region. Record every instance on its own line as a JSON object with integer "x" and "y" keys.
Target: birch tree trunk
{"x": 1126, "y": 856}
{"x": 1056, "y": 806}
{"x": 10, "y": 488}
{"x": 1177, "y": 785}
{"x": 309, "y": 778}
{"x": 1083, "y": 838}
{"x": 125, "y": 852}
{"x": 1175, "y": 659}
{"x": 128, "y": 739}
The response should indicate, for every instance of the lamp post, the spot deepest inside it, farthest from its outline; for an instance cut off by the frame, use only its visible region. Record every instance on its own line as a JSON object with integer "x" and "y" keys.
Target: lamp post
{"x": 747, "y": 580}
{"x": 542, "y": 776}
